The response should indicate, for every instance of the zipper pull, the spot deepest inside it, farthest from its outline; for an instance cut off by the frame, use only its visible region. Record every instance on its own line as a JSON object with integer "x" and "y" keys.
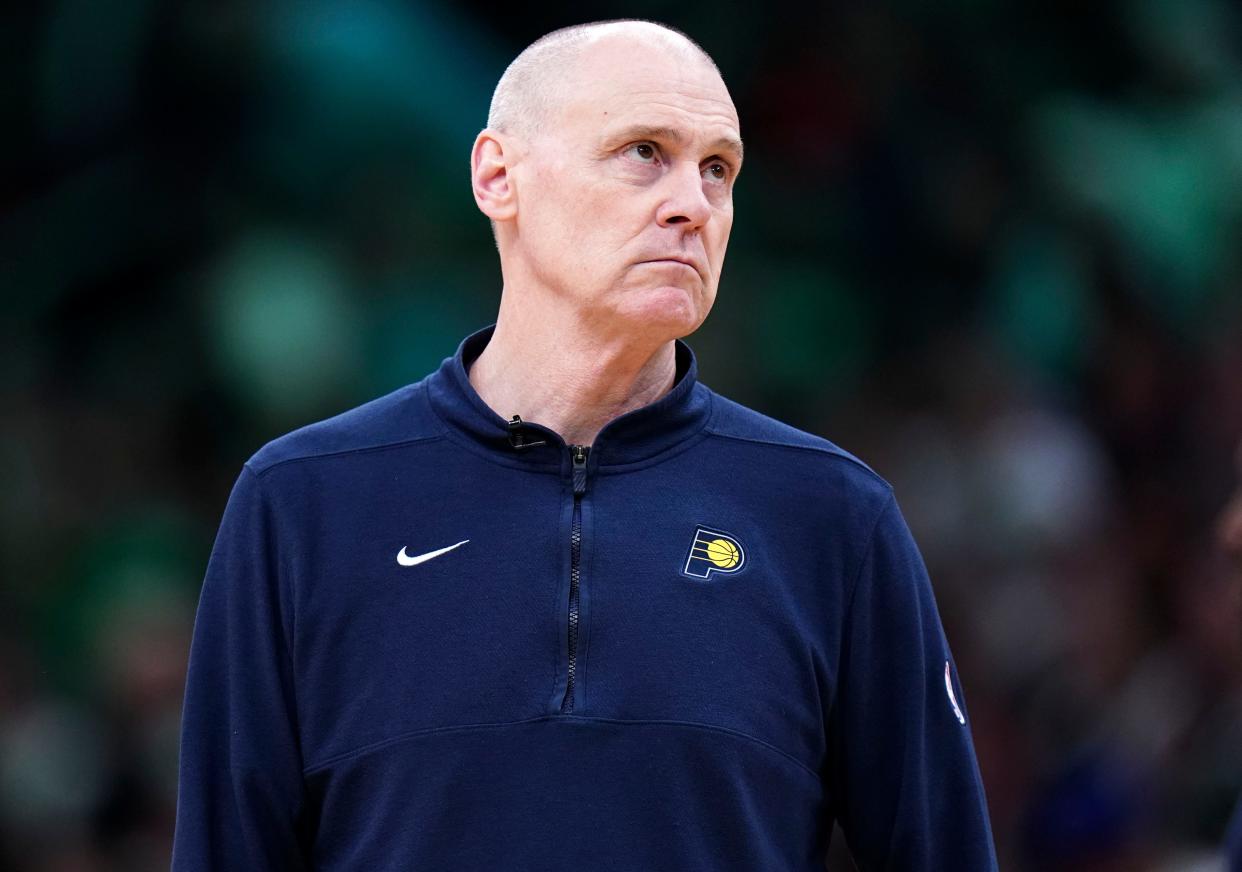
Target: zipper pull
{"x": 578, "y": 453}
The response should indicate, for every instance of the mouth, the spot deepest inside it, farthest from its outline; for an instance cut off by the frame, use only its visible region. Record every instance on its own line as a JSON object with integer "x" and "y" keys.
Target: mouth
{"x": 681, "y": 260}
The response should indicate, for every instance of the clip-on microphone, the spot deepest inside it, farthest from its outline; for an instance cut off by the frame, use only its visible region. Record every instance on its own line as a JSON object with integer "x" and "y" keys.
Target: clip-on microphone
{"x": 517, "y": 438}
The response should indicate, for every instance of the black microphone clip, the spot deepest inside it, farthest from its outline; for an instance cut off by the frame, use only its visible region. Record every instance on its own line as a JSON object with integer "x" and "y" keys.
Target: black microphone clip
{"x": 517, "y": 438}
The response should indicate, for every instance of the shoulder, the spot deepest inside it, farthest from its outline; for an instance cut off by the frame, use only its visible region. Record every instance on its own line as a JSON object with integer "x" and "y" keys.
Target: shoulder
{"x": 398, "y": 418}
{"x": 785, "y": 445}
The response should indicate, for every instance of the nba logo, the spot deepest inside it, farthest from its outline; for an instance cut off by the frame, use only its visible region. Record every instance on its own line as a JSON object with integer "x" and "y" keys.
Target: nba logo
{"x": 713, "y": 551}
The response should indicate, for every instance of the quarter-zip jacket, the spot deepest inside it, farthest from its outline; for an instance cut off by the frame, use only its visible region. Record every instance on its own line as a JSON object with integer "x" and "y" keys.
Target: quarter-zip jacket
{"x": 692, "y": 646}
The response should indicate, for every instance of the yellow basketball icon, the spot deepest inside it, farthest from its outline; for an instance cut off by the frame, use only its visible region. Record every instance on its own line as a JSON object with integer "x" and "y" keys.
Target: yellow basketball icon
{"x": 713, "y": 551}
{"x": 723, "y": 553}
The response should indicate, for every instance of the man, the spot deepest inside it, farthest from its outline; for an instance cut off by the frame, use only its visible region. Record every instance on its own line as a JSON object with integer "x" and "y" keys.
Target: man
{"x": 558, "y": 605}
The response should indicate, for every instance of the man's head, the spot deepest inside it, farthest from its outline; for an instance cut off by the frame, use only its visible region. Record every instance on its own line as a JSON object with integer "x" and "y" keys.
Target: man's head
{"x": 607, "y": 169}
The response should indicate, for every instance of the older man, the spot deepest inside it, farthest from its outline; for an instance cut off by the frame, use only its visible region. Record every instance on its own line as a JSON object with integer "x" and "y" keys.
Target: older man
{"x": 558, "y": 605}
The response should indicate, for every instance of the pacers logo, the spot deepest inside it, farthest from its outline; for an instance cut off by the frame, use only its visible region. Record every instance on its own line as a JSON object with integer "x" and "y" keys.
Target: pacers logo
{"x": 713, "y": 551}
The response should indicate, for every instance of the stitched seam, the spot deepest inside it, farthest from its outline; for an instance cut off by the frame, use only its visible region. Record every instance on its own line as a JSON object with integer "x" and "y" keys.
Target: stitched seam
{"x": 817, "y": 449}
{"x": 387, "y": 446}
{"x": 866, "y": 554}
{"x": 272, "y": 549}
{"x": 863, "y": 560}
{"x": 405, "y": 737}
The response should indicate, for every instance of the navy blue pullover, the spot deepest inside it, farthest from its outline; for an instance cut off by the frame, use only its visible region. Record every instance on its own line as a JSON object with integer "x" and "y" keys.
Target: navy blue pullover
{"x": 691, "y": 647}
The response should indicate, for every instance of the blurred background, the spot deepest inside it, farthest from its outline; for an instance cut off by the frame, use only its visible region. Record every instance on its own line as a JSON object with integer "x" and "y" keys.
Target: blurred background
{"x": 994, "y": 249}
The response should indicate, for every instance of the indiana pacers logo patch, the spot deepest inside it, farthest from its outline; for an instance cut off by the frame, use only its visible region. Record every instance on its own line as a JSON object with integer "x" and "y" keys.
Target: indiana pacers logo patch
{"x": 713, "y": 552}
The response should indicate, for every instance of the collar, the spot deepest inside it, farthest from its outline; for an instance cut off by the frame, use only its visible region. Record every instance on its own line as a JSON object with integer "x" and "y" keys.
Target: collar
{"x": 639, "y": 435}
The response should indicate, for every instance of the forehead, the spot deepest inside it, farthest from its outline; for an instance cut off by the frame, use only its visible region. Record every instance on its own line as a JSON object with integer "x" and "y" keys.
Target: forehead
{"x": 622, "y": 82}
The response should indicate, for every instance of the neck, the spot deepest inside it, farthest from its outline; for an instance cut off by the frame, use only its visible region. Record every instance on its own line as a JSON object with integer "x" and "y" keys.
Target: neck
{"x": 568, "y": 373}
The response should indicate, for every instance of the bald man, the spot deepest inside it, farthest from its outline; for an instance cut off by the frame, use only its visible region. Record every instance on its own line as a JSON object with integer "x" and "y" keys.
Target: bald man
{"x": 558, "y": 605}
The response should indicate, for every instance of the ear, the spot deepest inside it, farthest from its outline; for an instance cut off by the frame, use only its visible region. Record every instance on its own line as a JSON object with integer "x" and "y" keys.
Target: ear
{"x": 490, "y": 161}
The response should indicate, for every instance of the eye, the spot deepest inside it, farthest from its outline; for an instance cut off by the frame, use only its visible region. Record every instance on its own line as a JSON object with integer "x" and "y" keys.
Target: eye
{"x": 645, "y": 151}
{"x": 719, "y": 171}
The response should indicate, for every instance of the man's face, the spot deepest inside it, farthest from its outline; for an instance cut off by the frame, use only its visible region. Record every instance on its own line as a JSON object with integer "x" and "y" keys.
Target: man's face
{"x": 625, "y": 197}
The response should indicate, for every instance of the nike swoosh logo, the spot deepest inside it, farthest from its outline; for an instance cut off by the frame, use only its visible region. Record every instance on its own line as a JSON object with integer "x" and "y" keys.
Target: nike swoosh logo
{"x": 406, "y": 560}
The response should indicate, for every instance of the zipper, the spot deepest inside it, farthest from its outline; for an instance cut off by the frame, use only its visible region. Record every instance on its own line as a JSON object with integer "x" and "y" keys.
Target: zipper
{"x": 578, "y": 454}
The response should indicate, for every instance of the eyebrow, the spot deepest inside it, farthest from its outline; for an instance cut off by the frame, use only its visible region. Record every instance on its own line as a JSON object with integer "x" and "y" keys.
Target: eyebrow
{"x": 672, "y": 134}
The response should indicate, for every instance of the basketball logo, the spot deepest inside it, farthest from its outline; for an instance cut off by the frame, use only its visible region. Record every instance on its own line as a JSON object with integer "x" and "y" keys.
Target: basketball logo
{"x": 723, "y": 553}
{"x": 713, "y": 551}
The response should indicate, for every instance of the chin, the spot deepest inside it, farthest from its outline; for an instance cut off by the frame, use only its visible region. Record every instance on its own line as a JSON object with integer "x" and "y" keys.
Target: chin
{"x": 670, "y": 311}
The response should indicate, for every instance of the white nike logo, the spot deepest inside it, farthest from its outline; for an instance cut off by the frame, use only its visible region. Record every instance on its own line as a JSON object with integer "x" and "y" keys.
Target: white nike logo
{"x": 406, "y": 560}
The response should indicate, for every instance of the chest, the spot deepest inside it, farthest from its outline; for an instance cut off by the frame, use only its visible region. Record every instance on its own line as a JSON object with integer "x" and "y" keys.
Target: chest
{"x": 488, "y": 598}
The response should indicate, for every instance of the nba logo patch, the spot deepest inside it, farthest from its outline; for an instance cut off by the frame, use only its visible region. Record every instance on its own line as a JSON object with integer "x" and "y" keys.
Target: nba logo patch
{"x": 713, "y": 552}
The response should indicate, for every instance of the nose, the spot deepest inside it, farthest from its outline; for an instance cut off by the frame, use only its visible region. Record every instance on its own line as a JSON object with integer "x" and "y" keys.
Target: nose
{"x": 685, "y": 201}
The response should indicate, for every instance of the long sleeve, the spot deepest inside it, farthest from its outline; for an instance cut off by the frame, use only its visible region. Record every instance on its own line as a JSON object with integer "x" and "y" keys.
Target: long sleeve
{"x": 909, "y": 795}
{"x": 240, "y": 798}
